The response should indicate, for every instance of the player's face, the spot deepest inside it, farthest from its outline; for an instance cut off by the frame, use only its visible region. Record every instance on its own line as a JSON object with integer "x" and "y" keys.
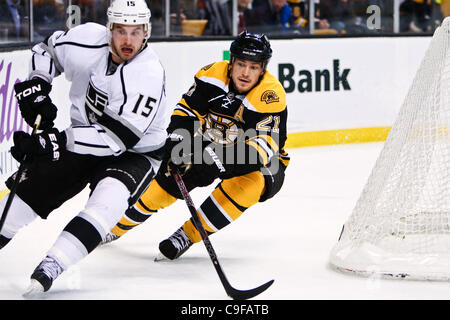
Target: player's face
{"x": 127, "y": 41}
{"x": 245, "y": 74}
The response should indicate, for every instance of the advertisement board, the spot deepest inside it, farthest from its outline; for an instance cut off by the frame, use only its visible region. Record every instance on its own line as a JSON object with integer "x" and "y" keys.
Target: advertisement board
{"x": 338, "y": 90}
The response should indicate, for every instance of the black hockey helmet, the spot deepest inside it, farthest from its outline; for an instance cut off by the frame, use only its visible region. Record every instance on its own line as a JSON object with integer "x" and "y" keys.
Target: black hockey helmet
{"x": 251, "y": 46}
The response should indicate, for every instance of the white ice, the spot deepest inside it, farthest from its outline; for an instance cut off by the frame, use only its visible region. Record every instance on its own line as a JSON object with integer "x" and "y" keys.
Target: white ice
{"x": 287, "y": 238}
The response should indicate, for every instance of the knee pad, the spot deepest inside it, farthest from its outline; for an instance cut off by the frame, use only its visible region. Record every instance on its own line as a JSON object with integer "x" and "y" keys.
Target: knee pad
{"x": 19, "y": 215}
{"x": 83, "y": 233}
{"x": 106, "y": 205}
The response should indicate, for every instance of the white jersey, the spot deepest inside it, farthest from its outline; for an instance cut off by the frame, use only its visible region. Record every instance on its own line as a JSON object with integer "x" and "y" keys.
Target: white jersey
{"x": 114, "y": 107}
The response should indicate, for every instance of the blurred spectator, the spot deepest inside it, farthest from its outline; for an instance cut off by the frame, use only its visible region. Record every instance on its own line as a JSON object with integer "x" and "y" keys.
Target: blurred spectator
{"x": 100, "y": 9}
{"x": 270, "y": 17}
{"x": 216, "y": 14}
{"x": 49, "y": 16}
{"x": 420, "y": 15}
{"x": 88, "y": 11}
{"x": 179, "y": 11}
{"x": 300, "y": 16}
{"x": 437, "y": 12}
{"x": 415, "y": 16}
{"x": 340, "y": 15}
{"x": 157, "y": 19}
{"x": 13, "y": 21}
{"x": 243, "y": 10}
{"x": 298, "y": 8}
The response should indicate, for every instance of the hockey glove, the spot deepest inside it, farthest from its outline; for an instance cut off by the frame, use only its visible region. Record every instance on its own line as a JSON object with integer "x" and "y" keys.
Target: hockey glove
{"x": 47, "y": 145}
{"x": 176, "y": 153}
{"x": 209, "y": 169}
{"x": 33, "y": 98}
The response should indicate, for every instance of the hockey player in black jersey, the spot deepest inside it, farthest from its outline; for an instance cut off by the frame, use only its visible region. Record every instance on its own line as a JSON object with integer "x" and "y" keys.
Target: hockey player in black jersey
{"x": 234, "y": 116}
{"x": 118, "y": 129}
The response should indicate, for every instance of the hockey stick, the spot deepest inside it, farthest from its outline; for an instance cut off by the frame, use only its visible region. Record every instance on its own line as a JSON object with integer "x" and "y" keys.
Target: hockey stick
{"x": 232, "y": 292}
{"x": 12, "y": 192}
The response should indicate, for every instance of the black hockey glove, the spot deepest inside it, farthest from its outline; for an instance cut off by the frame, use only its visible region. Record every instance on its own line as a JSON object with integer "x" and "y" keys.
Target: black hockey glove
{"x": 33, "y": 98}
{"x": 209, "y": 168}
{"x": 177, "y": 152}
{"x": 47, "y": 145}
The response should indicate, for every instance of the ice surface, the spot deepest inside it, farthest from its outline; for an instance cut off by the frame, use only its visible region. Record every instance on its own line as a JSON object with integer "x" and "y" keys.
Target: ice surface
{"x": 287, "y": 238}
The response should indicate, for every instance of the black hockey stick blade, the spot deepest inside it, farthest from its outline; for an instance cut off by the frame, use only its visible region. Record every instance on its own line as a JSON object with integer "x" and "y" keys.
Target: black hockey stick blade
{"x": 16, "y": 181}
{"x": 236, "y": 294}
{"x": 232, "y": 292}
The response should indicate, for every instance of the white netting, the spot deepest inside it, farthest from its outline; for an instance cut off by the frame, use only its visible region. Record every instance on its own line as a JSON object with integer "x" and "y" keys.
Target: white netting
{"x": 401, "y": 223}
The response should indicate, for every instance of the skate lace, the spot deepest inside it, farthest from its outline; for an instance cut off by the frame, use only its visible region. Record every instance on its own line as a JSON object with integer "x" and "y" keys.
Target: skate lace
{"x": 180, "y": 239}
{"x": 110, "y": 237}
{"x": 50, "y": 267}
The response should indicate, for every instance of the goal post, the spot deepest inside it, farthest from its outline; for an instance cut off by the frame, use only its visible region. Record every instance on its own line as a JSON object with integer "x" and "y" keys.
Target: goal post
{"x": 400, "y": 226}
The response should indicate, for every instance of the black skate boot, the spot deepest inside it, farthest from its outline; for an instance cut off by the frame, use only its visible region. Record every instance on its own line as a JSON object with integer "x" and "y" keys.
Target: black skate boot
{"x": 43, "y": 276}
{"x": 110, "y": 237}
{"x": 175, "y": 245}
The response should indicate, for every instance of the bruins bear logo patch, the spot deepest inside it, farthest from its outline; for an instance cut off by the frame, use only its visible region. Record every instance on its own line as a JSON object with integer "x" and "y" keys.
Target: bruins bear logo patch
{"x": 269, "y": 96}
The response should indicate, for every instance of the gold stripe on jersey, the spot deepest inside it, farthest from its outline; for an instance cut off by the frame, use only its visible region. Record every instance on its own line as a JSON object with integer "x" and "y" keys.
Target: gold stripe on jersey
{"x": 215, "y": 74}
{"x": 178, "y": 112}
{"x": 227, "y": 203}
{"x": 265, "y": 146}
{"x": 284, "y": 158}
{"x": 185, "y": 110}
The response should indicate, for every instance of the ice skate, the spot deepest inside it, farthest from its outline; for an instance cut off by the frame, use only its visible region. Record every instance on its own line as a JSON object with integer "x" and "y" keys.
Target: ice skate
{"x": 174, "y": 246}
{"x": 42, "y": 277}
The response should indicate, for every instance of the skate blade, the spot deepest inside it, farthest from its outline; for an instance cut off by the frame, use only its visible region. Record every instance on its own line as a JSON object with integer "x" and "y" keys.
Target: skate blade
{"x": 34, "y": 290}
{"x": 160, "y": 257}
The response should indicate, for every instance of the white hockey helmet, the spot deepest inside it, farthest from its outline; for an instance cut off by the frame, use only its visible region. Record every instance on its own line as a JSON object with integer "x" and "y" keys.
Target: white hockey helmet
{"x": 130, "y": 12}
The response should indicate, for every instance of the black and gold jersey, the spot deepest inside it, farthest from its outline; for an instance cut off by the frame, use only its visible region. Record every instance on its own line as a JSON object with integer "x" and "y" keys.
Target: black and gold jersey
{"x": 255, "y": 120}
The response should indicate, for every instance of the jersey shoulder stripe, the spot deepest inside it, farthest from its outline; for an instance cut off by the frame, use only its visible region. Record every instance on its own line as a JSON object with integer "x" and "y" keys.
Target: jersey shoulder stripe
{"x": 268, "y": 96}
{"x": 215, "y": 73}
{"x": 151, "y": 81}
{"x": 89, "y": 35}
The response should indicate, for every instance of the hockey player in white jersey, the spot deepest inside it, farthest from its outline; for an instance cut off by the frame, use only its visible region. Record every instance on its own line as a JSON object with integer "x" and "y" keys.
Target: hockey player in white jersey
{"x": 115, "y": 141}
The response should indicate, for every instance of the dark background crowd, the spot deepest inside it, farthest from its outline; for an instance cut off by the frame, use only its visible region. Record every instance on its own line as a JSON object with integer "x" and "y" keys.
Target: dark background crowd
{"x": 215, "y": 18}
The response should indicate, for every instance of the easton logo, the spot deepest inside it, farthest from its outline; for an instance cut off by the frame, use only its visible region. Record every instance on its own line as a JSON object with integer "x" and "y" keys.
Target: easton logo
{"x": 55, "y": 145}
{"x": 28, "y": 91}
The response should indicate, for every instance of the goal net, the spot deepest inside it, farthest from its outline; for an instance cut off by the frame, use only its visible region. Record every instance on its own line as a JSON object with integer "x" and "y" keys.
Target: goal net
{"x": 400, "y": 226}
